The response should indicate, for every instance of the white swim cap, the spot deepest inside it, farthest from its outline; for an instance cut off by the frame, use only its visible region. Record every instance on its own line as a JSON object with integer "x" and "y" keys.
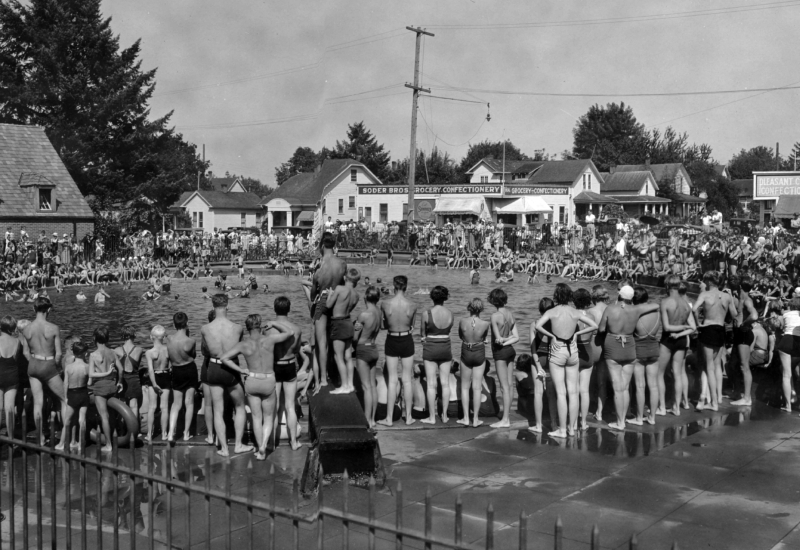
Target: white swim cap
{"x": 626, "y": 292}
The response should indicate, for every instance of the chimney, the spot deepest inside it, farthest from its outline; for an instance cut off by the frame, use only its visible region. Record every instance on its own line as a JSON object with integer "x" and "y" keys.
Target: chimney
{"x": 612, "y": 168}
{"x": 394, "y": 165}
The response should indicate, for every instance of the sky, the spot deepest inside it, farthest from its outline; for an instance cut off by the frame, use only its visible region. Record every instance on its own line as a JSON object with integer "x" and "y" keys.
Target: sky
{"x": 254, "y": 80}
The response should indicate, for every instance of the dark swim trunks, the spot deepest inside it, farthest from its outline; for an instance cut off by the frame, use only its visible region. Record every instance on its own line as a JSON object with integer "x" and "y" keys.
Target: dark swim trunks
{"x": 399, "y": 346}
{"x": 184, "y": 377}
{"x": 743, "y": 336}
{"x": 42, "y": 368}
{"x": 78, "y": 397}
{"x": 367, "y": 352}
{"x": 132, "y": 386}
{"x": 504, "y": 353}
{"x": 105, "y": 387}
{"x": 473, "y": 355}
{"x": 285, "y": 370}
{"x": 711, "y": 336}
{"x": 341, "y": 328}
{"x": 674, "y": 344}
{"x": 220, "y": 375}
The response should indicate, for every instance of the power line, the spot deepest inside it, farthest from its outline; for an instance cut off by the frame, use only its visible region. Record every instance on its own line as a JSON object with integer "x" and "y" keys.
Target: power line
{"x": 631, "y": 19}
{"x": 398, "y": 85}
{"x": 454, "y": 99}
{"x": 618, "y": 94}
{"x": 435, "y": 135}
{"x": 363, "y": 98}
{"x": 224, "y": 125}
{"x": 239, "y": 80}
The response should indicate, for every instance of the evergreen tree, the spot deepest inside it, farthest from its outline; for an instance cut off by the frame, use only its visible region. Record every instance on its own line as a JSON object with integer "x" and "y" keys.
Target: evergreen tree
{"x": 304, "y": 159}
{"x": 488, "y": 149}
{"x": 61, "y": 67}
{"x": 436, "y": 168}
{"x": 362, "y": 146}
{"x": 609, "y": 135}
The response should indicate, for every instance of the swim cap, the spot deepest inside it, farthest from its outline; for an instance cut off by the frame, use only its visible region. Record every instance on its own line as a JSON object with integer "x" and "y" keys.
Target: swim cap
{"x": 626, "y": 293}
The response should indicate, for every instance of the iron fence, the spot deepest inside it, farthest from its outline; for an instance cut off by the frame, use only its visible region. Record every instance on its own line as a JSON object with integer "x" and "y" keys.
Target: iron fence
{"x": 118, "y": 480}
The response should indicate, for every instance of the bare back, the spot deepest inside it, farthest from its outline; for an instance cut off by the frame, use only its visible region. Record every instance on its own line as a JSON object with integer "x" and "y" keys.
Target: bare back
{"x": 43, "y": 338}
{"x": 715, "y": 305}
{"x": 291, "y": 347}
{"x": 220, "y": 335}
{"x": 398, "y": 314}
{"x": 676, "y": 310}
{"x": 181, "y": 348}
{"x": 473, "y": 330}
{"x": 329, "y": 275}
{"x": 622, "y": 320}
{"x": 370, "y": 320}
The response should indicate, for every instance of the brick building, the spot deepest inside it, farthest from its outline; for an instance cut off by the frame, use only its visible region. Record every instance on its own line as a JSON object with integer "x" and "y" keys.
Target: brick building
{"x": 36, "y": 190}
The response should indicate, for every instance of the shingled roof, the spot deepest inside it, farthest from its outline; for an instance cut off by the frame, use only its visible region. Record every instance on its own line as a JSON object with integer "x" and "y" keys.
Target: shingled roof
{"x": 659, "y": 171}
{"x": 222, "y": 185}
{"x": 625, "y": 181}
{"x": 218, "y": 199}
{"x": 28, "y": 160}
{"x": 308, "y": 187}
{"x": 560, "y": 171}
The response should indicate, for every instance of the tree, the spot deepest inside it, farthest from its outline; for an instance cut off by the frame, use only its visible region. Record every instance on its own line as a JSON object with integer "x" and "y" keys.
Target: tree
{"x": 437, "y": 168}
{"x": 489, "y": 149}
{"x": 609, "y": 135}
{"x": 362, "y": 146}
{"x": 719, "y": 192}
{"x": 61, "y": 67}
{"x": 743, "y": 164}
{"x": 304, "y": 159}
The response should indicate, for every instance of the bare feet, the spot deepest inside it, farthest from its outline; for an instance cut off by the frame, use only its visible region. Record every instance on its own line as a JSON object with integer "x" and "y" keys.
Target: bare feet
{"x": 445, "y": 419}
{"x": 637, "y": 421}
{"x": 686, "y": 405}
{"x": 477, "y": 423}
{"x": 742, "y": 402}
{"x": 223, "y": 452}
{"x": 410, "y": 420}
{"x": 535, "y": 429}
{"x": 74, "y": 446}
{"x": 210, "y": 440}
{"x": 700, "y": 406}
{"x": 106, "y": 448}
{"x": 651, "y": 420}
{"x": 342, "y": 390}
{"x": 712, "y": 407}
{"x": 60, "y": 446}
{"x": 429, "y": 420}
{"x": 661, "y": 412}
{"x": 187, "y": 436}
{"x": 502, "y": 424}
{"x": 296, "y": 445}
{"x": 616, "y": 426}
{"x": 675, "y": 410}
{"x": 384, "y": 422}
{"x": 787, "y": 408}
{"x": 464, "y": 421}
{"x": 239, "y": 449}
{"x": 261, "y": 455}
{"x": 560, "y": 434}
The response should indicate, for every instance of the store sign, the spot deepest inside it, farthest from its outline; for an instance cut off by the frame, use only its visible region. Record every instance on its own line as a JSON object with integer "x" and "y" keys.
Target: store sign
{"x": 527, "y": 190}
{"x": 424, "y": 209}
{"x": 431, "y": 189}
{"x": 773, "y": 186}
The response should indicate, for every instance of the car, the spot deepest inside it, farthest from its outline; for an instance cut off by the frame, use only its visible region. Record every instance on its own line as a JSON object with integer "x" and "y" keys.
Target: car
{"x": 743, "y": 226}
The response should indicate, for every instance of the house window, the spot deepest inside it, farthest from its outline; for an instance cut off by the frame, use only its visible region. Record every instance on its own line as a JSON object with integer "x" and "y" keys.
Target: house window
{"x": 341, "y": 206}
{"x": 384, "y": 212}
{"x": 259, "y": 217}
{"x": 405, "y": 210}
{"x": 351, "y": 202}
{"x": 360, "y": 213}
{"x": 353, "y": 174}
{"x": 45, "y": 199}
{"x": 368, "y": 214}
{"x": 584, "y": 182}
{"x": 194, "y": 219}
{"x": 484, "y": 179}
{"x": 590, "y": 182}
{"x": 324, "y": 205}
{"x": 244, "y": 219}
{"x": 562, "y": 215}
{"x": 200, "y": 219}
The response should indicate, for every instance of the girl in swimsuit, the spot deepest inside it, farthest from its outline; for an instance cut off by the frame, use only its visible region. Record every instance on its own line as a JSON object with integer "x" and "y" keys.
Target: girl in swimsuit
{"x": 540, "y": 353}
{"x": 645, "y": 368}
{"x": 130, "y": 355}
{"x": 588, "y": 355}
{"x": 472, "y": 331}
{"x": 437, "y": 354}
{"x": 504, "y": 336}
{"x": 11, "y": 356}
{"x": 105, "y": 378}
{"x": 160, "y": 380}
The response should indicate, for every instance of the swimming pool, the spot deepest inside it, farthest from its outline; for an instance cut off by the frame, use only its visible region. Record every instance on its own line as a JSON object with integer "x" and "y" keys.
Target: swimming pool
{"x": 125, "y": 307}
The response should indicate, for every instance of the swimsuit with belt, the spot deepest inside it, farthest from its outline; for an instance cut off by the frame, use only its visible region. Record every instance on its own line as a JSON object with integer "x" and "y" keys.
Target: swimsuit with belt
{"x": 437, "y": 345}
{"x": 42, "y": 367}
{"x": 132, "y": 381}
{"x": 286, "y": 369}
{"x": 217, "y": 374}
{"x": 367, "y": 351}
{"x": 399, "y": 344}
{"x": 503, "y": 352}
{"x": 473, "y": 354}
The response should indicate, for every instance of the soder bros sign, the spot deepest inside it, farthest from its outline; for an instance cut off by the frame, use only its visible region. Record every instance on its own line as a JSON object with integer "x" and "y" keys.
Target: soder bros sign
{"x": 467, "y": 189}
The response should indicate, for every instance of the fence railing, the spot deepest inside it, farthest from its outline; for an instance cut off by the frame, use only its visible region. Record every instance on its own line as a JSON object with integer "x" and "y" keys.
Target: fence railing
{"x": 118, "y": 480}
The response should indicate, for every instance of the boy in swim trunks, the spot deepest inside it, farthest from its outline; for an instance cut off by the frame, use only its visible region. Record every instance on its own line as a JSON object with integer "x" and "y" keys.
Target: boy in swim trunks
{"x": 341, "y": 303}
{"x": 76, "y": 395}
{"x": 44, "y": 343}
{"x": 398, "y": 318}
{"x": 181, "y": 351}
{"x": 105, "y": 377}
{"x": 286, "y": 353}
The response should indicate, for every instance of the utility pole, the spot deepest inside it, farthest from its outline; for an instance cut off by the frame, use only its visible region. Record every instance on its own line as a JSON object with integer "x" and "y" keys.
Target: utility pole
{"x": 778, "y": 156}
{"x": 412, "y": 158}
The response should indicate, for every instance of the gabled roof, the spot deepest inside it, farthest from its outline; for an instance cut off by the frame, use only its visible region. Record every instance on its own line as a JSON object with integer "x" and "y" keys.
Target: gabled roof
{"x": 511, "y": 166}
{"x": 659, "y": 171}
{"x": 744, "y": 188}
{"x": 309, "y": 187}
{"x": 561, "y": 171}
{"x": 218, "y": 199}
{"x": 626, "y": 181}
{"x": 590, "y": 197}
{"x": 222, "y": 184}
{"x": 28, "y": 160}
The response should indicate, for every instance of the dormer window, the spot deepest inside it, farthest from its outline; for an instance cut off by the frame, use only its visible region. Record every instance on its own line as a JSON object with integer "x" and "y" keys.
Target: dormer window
{"x": 590, "y": 182}
{"x": 353, "y": 174}
{"x": 646, "y": 188}
{"x": 45, "y": 199}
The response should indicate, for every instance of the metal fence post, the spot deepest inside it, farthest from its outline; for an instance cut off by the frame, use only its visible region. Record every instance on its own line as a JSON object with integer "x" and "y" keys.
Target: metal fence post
{"x": 99, "y": 509}
{"x": 428, "y": 517}
{"x": 595, "y": 537}
{"x": 490, "y": 527}
{"x": 11, "y": 477}
{"x": 295, "y": 508}
{"x": 458, "y": 522}
{"x": 208, "y": 502}
{"x": 523, "y": 530}
{"x": 25, "y": 537}
{"x": 371, "y": 514}
{"x": 249, "y": 505}
{"x": 399, "y": 516}
{"x": 345, "y": 510}
{"x": 132, "y": 520}
{"x": 115, "y": 456}
{"x": 320, "y": 513}
{"x": 559, "y": 534}
{"x": 53, "y": 494}
{"x": 634, "y": 544}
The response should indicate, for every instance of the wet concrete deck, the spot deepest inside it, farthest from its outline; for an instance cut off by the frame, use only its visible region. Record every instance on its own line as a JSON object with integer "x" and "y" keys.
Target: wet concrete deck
{"x": 728, "y": 480}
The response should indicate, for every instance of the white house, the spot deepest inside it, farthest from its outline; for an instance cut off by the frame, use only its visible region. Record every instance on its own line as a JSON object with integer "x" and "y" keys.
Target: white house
{"x": 674, "y": 176}
{"x": 492, "y": 170}
{"x": 307, "y": 200}
{"x": 636, "y": 191}
{"x": 228, "y": 206}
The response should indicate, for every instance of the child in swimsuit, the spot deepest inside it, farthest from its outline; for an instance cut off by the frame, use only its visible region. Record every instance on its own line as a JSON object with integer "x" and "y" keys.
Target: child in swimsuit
{"x": 76, "y": 376}
{"x": 105, "y": 375}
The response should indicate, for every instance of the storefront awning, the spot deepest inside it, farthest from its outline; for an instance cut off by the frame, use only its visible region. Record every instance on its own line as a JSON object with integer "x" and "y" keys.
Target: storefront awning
{"x": 524, "y": 205}
{"x": 305, "y": 216}
{"x": 787, "y": 206}
{"x": 590, "y": 197}
{"x": 472, "y": 206}
{"x": 680, "y": 197}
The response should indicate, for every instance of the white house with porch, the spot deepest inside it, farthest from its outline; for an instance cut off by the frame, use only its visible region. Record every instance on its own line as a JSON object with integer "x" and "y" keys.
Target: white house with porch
{"x": 229, "y": 205}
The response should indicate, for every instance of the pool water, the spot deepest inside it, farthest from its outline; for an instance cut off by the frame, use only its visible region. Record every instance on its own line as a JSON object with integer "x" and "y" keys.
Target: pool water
{"x": 125, "y": 307}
